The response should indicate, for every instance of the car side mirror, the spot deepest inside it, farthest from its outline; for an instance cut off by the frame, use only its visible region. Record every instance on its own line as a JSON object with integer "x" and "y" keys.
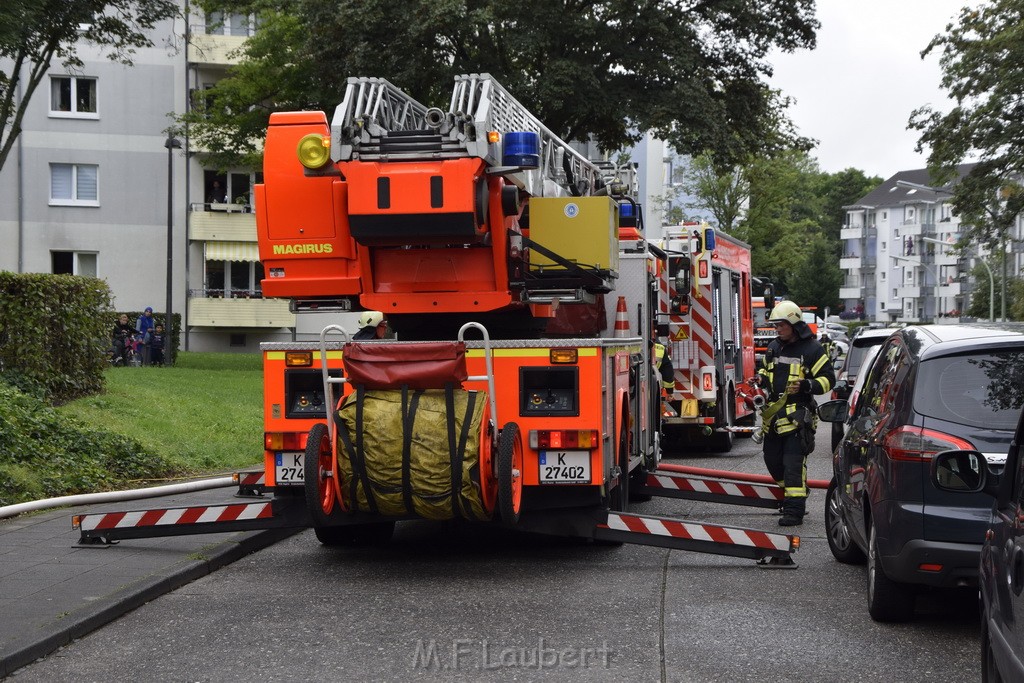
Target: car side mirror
{"x": 962, "y": 472}
{"x": 834, "y": 411}
{"x": 842, "y": 389}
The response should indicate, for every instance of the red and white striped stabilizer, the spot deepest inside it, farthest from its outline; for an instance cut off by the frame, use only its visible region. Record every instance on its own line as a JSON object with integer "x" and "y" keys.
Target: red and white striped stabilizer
{"x": 772, "y": 494}
{"x": 247, "y": 479}
{"x": 748, "y": 540}
{"x": 174, "y": 516}
{"x": 621, "y": 319}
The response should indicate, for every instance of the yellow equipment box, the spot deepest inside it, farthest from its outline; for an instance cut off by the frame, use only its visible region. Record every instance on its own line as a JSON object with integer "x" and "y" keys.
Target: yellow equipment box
{"x": 584, "y": 230}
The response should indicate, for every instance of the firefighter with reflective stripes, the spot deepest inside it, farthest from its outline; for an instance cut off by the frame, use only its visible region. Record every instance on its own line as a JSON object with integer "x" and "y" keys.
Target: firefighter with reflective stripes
{"x": 663, "y": 362}
{"x": 667, "y": 381}
{"x": 795, "y": 369}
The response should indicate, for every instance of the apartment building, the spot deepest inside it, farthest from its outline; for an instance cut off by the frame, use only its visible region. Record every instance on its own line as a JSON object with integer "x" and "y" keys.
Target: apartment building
{"x": 96, "y": 187}
{"x": 897, "y": 257}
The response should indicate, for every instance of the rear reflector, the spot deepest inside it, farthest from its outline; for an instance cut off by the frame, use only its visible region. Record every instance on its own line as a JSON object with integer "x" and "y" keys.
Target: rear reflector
{"x": 930, "y": 567}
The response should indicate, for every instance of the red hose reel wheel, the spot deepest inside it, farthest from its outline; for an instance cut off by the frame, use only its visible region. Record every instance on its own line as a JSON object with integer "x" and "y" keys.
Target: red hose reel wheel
{"x": 488, "y": 478}
{"x": 509, "y": 471}
{"x": 319, "y": 475}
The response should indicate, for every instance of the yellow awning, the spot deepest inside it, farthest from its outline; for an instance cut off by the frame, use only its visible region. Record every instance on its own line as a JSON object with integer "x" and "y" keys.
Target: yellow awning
{"x": 232, "y": 251}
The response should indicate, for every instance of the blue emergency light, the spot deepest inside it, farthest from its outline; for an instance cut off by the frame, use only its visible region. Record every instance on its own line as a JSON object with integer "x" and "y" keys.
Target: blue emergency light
{"x": 522, "y": 148}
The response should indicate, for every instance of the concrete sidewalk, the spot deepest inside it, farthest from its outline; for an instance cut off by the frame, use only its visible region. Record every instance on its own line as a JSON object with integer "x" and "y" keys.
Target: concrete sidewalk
{"x": 53, "y": 590}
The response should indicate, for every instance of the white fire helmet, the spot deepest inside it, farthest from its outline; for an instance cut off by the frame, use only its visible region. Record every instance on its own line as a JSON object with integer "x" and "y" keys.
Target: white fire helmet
{"x": 786, "y": 311}
{"x": 371, "y": 319}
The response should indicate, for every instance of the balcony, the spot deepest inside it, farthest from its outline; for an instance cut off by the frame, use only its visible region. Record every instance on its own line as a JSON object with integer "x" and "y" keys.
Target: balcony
{"x": 908, "y": 292}
{"x": 851, "y": 292}
{"x": 217, "y": 50}
{"x": 222, "y": 222}
{"x": 239, "y": 313}
{"x": 853, "y": 232}
{"x": 850, "y": 263}
{"x": 912, "y": 228}
{"x": 951, "y": 289}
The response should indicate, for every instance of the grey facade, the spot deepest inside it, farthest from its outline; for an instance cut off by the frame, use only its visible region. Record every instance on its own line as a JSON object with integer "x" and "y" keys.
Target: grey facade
{"x": 898, "y": 259}
{"x": 85, "y": 191}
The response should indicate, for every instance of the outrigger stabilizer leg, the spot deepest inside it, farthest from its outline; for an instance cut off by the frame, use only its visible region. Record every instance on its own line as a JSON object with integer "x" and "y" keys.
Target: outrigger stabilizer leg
{"x": 770, "y": 549}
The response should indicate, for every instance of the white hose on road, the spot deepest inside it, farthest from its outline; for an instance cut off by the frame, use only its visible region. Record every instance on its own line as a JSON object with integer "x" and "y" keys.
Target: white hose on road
{"x": 115, "y": 496}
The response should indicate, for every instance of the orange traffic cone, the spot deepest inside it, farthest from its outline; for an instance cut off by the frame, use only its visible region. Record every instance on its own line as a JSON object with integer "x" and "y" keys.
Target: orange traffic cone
{"x": 621, "y": 319}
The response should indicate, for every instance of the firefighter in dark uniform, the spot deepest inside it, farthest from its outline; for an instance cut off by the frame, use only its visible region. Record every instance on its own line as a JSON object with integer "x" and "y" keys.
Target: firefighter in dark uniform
{"x": 795, "y": 366}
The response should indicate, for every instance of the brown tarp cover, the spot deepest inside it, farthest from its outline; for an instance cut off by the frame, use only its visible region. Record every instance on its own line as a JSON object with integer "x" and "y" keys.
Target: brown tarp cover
{"x": 424, "y": 487}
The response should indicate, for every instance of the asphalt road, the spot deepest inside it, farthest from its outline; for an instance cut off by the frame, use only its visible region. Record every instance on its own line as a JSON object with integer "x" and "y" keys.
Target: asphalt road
{"x": 446, "y": 602}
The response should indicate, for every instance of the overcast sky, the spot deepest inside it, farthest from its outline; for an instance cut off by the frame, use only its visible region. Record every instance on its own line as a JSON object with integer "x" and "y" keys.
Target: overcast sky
{"x": 856, "y": 91}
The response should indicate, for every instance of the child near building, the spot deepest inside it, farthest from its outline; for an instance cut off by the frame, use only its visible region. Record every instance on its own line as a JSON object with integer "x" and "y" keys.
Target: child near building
{"x": 156, "y": 345}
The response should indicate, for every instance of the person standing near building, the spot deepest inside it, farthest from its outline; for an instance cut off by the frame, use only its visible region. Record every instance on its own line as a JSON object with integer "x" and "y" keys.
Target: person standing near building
{"x": 795, "y": 368}
{"x": 144, "y": 325}
{"x": 156, "y": 345}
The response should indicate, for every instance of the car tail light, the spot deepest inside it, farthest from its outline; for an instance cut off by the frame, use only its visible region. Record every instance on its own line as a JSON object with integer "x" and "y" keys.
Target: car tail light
{"x": 916, "y": 444}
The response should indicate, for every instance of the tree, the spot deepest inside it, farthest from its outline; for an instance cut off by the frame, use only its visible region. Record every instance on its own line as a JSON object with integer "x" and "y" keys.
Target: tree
{"x": 723, "y": 194}
{"x": 980, "y": 59}
{"x": 35, "y": 32}
{"x": 838, "y": 190}
{"x": 817, "y": 279}
{"x": 694, "y": 73}
{"x": 783, "y": 215}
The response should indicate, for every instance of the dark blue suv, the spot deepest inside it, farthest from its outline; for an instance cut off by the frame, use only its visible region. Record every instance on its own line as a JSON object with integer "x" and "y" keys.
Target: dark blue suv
{"x": 1001, "y": 570}
{"x": 931, "y": 388}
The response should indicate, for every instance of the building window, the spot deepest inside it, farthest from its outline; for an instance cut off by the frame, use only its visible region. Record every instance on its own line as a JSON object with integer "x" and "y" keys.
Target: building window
{"x": 234, "y": 279}
{"x": 73, "y": 97}
{"x": 73, "y": 263}
{"x": 229, "y": 188}
{"x": 231, "y": 25}
{"x": 883, "y": 246}
{"x": 883, "y": 276}
{"x": 237, "y": 340}
{"x": 881, "y": 305}
{"x": 74, "y": 185}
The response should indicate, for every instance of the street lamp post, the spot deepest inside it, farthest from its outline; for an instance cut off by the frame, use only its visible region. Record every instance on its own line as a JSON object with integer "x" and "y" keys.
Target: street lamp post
{"x": 171, "y": 143}
{"x": 991, "y": 280}
{"x": 935, "y": 273}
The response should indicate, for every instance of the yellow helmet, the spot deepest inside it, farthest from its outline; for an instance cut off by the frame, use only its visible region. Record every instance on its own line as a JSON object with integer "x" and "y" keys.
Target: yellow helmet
{"x": 786, "y": 311}
{"x": 371, "y": 319}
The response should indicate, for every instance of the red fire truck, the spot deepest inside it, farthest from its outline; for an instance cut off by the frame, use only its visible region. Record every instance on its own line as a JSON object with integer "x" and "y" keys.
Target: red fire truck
{"x": 525, "y": 299}
{"x": 710, "y": 334}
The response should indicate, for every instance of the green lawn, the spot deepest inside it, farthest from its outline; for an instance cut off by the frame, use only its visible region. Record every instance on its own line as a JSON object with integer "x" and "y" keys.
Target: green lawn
{"x": 204, "y": 414}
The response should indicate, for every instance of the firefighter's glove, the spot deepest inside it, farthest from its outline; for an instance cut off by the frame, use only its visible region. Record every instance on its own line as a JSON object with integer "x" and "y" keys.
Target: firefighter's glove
{"x": 800, "y": 386}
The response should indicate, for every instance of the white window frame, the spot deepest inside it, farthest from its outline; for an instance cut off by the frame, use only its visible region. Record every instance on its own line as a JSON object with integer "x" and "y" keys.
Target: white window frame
{"x": 74, "y": 200}
{"x": 77, "y": 258}
{"x": 73, "y": 113}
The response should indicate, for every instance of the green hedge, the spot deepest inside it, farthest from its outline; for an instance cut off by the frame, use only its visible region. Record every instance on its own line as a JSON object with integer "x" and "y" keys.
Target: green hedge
{"x": 54, "y": 333}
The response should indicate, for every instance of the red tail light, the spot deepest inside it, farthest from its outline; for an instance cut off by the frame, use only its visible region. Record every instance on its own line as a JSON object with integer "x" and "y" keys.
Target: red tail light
{"x": 916, "y": 444}
{"x": 568, "y": 439}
